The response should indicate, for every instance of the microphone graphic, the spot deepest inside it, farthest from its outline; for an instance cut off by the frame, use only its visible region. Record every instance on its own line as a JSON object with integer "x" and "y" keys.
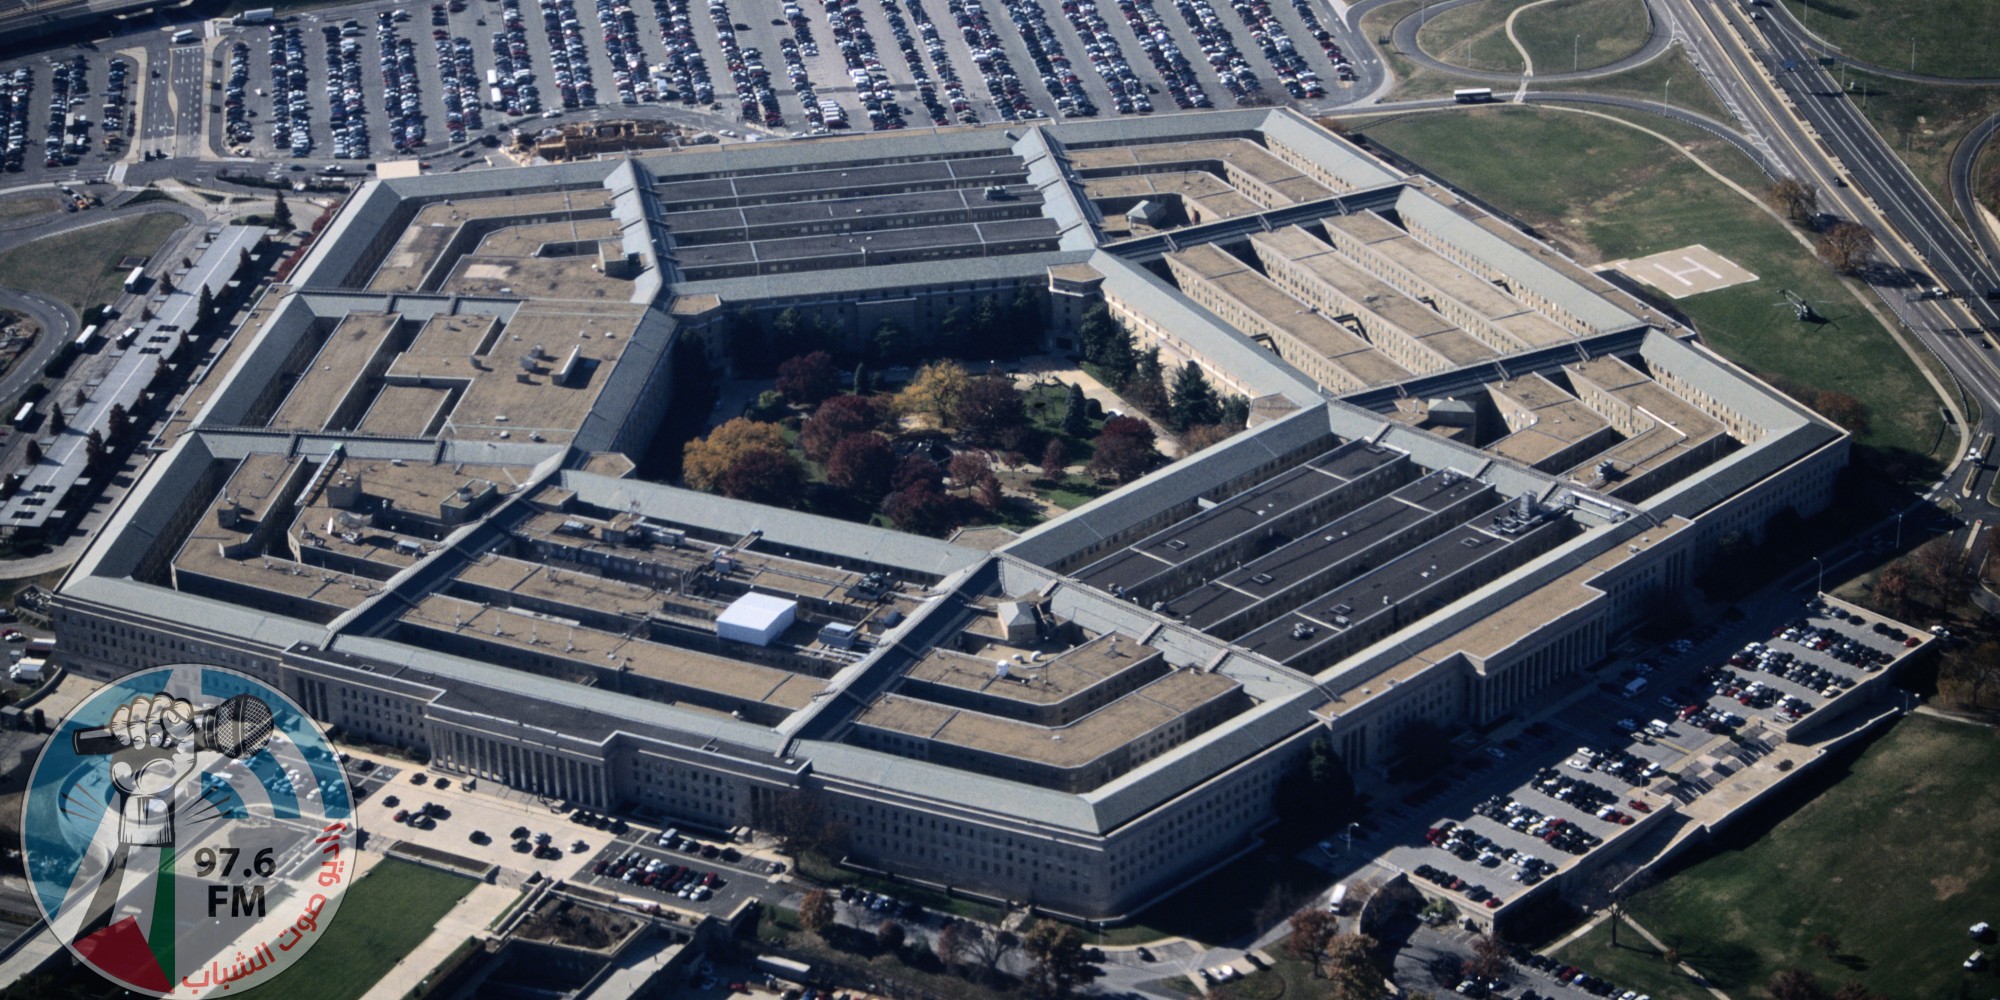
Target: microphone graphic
{"x": 237, "y": 727}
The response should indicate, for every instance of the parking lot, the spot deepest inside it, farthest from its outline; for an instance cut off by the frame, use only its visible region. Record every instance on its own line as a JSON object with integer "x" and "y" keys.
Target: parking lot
{"x": 423, "y": 76}
{"x": 1657, "y": 729}
{"x": 665, "y": 867}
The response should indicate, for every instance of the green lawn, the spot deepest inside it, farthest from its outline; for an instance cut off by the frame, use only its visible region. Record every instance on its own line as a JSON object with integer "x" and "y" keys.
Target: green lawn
{"x": 1473, "y": 36}
{"x": 1563, "y": 35}
{"x": 43, "y": 204}
{"x": 1952, "y": 37}
{"x": 1671, "y": 78}
{"x": 1895, "y": 860}
{"x": 81, "y": 267}
{"x": 1923, "y": 122}
{"x": 1412, "y": 81}
{"x": 1608, "y": 193}
{"x": 381, "y": 919}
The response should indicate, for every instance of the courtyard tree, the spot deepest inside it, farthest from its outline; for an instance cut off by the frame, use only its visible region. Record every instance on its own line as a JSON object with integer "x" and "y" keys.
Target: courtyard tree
{"x": 836, "y": 420}
{"x": 934, "y": 392}
{"x": 808, "y": 378}
{"x": 57, "y": 422}
{"x": 1076, "y": 412}
{"x": 816, "y": 912}
{"x": 281, "y": 213}
{"x": 117, "y": 423}
{"x": 968, "y": 467}
{"x": 1055, "y": 458}
{"x": 33, "y": 453}
{"x": 861, "y": 465}
{"x": 1124, "y": 449}
{"x": 920, "y": 508}
{"x": 987, "y": 409}
{"x": 800, "y": 821}
{"x": 1313, "y": 930}
{"x": 204, "y": 309}
{"x": 704, "y": 461}
{"x": 763, "y": 476}
{"x": 1203, "y": 436}
{"x": 1194, "y": 403}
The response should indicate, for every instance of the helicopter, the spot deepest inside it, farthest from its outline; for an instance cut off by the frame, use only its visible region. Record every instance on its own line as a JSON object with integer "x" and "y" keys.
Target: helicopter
{"x": 1802, "y": 308}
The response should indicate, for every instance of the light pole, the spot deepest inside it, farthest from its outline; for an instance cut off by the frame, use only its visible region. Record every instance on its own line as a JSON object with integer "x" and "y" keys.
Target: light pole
{"x": 1899, "y": 531}
{"x": 1666, "y": 88}
{"x": 1350, "y": 839}
{"x": 1822, "y": 575}
{"x": 1576, "y": 53}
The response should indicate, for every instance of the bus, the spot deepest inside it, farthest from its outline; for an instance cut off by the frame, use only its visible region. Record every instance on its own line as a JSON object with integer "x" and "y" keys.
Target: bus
{"x": 135, "y": 280}
{"x": 1472, "y": 95}
{"x": 24, "y": 414}
{"x": 87, "y": 339}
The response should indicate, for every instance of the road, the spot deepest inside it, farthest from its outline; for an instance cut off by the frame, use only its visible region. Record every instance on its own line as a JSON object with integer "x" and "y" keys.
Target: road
{"x": 1820, "y": 137}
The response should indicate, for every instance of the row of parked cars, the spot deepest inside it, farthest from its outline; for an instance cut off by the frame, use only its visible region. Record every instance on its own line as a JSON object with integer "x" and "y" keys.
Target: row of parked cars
{"x": 346, "y": 102}
{"x": 402, "y": 101}
{"x": 1046, "y": 52}
{"x": 1269, "y": 34}
{"x": 1002, "y": 83}
{"x": 69, "y": 131}
{"x": 460, "y": 83}
{"x": 629, "y": 72}
{"x": 16, "y": 91}
{"x": 1157, "y": 41}
{"x": 1570, "y": 975}
{"x": 755, "y": 100}
{"x": 568, "y": 56}
{"x": 1446, "y": 880}
{"x": 659, "y": 874}
{"x": 684, "y": 74}
{"x": 1107, "y": 57}
{"x": 927, "y": 91}
{"x": 513, "y": 74}
{"x": 864, "y": 63}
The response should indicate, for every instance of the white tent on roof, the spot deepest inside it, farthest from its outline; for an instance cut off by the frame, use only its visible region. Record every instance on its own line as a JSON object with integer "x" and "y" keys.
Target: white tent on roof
{"x": 756, "y": 618}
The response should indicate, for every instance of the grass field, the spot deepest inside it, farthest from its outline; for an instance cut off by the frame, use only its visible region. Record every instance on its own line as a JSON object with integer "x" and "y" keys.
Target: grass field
{"x": 382, "y": 917}
{"x": 1671, "y": 78}
{"x": 1923, "y": 122}
{"x": 1473, "y": 36}
{"x": 1412, "y": 81}
{"x": 1563, "y": 35}
{"x": 1955, "y": 38}
{"x": 81, "y": 267}
{"x": 1895, "y": 860}
{"x": 20, "y": 208}
{"x": 1607, "y": 193}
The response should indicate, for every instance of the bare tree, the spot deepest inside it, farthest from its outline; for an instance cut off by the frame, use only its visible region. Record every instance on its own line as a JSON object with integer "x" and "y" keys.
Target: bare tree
{"x": 1795, "y": 984}
{"x": 1489, "y": 958}
{"x": 1610, "y": 887}
{"x": 1355, "y": 972}
{"x": 989, "y": 949}
{"x": 1847, "y": 246}
{"x": 890, "y": 935}
{"x": 800, "y": 820}
{"x": 1313, "y": 930}
{"x": 952, "y": 944}
{"x": 816, "y": 912}
{"x": 1794, "y": 200}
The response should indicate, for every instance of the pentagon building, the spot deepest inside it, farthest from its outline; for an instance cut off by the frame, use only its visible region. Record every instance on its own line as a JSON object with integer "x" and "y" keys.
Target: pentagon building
{"x": 405, "y": 493}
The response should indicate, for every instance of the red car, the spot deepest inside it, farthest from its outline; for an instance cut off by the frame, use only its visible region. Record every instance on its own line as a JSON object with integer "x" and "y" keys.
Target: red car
{"x": 1641, "y": 806}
